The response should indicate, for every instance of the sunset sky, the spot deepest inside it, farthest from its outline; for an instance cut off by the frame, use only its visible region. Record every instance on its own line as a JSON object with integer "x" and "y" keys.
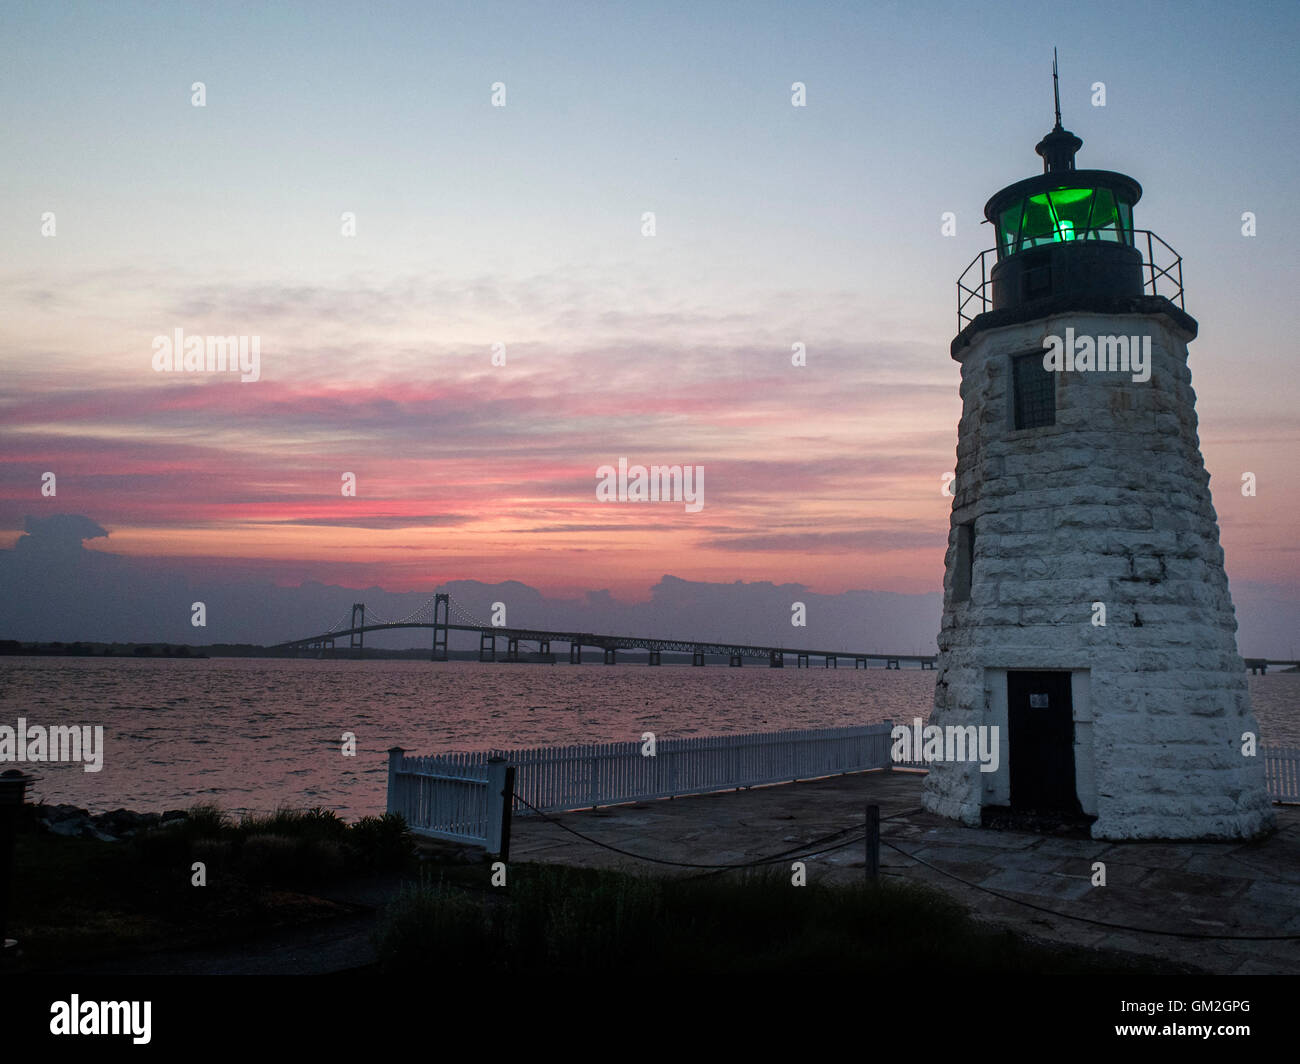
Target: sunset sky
{"x": 522, "y": 225}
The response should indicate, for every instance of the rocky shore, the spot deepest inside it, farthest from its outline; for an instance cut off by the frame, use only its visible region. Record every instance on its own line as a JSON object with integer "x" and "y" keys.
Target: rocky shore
{"x": 74, "y": 822}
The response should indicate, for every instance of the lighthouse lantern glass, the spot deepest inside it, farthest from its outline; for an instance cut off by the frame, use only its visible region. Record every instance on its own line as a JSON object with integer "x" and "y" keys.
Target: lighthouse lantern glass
{"x": 1065, "y": 214}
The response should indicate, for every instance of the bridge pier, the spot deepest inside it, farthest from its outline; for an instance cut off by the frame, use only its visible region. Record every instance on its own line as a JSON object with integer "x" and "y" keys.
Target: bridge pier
{"x": 697, "y": 656}
{"x": 544, "y": 647}
{"x": 512, "y": 648}
{"x": 610, "y": 654}
{"x": 927, "y": 664}
{"x": 775, "y": 659}
{"x": 802, "y": 662}
{"x": 891, "y": 663}
{"x": 357, "y": 639}
{"x": 441, "y": 618}
{"x": 832, "y": 662}
{"x": 487, "y": 647}
{"x": 654, "y": 657}
{"x": 736, "y": 661}
{"x": 575, "y": 653}
{"x": 859, "y": 663}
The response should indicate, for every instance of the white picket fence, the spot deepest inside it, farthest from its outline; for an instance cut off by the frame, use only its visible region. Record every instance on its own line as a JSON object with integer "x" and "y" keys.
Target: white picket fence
{"x": 1282, "y": 772}
{"x": 458, "y": 796}
{"x": 449, "y": 796}
{"x": 440, "y": 798}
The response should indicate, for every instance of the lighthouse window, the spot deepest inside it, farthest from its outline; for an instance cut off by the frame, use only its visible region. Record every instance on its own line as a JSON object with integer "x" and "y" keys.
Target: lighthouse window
{"x": 1034, "y": 392}
{"x": 964, "y": 562}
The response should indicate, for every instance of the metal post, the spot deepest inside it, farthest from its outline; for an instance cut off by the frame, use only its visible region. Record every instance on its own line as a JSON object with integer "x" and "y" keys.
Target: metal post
{"x": 13, "y": 789}
{"x": 507, "y": 811}
{"x": 500, "y": 799}
{"x": 873, "y": 842}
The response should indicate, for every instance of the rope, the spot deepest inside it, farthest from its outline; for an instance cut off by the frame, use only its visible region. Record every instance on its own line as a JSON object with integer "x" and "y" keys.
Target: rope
{"x": 693, "y": 864}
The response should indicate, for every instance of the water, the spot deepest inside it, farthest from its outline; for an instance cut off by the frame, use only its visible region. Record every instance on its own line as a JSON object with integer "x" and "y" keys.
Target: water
{"x": 254, "y": 734}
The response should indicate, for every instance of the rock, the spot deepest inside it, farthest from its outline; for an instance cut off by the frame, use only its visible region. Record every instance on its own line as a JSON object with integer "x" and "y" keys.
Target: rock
{"x": 55, "y": 813}
{"x": 122, "y": 823}
{"x": 72, "y": 821}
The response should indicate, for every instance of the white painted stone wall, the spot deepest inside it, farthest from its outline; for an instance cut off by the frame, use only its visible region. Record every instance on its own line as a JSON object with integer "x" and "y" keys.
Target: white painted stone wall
{"x": 1110, "y": 504}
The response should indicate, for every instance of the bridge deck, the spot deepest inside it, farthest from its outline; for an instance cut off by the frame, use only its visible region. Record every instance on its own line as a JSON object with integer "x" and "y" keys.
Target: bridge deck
{"x": 610, "y": 642}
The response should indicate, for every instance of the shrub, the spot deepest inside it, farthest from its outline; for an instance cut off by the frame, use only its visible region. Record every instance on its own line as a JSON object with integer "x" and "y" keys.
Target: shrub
{"x": 204, "y": 821}
{"x": 382, "y": 843}
{"x": 316, "y": 823}
{"x": 266, "y": 858}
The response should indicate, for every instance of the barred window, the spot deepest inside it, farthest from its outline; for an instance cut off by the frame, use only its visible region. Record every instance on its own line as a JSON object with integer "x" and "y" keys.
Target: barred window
{"x": 1035, "y": 392}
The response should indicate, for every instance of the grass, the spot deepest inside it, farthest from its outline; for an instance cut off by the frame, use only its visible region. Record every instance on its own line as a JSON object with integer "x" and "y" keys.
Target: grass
{"x": 558, "y": 921}
{"x": 290, "y": 847}
{"x": 79, "y": 899}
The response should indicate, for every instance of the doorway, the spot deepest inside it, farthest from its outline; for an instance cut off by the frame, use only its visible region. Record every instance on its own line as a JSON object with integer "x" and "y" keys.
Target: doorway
{"x": 1040, "y": 726}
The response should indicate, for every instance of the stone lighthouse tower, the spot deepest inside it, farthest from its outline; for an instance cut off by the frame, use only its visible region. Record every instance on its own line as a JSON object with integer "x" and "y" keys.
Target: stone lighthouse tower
{"x": 1086, "y": 609}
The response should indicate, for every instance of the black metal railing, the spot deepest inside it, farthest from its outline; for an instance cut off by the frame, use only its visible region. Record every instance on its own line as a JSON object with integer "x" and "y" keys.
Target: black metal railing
{"x": 969, "y": 292}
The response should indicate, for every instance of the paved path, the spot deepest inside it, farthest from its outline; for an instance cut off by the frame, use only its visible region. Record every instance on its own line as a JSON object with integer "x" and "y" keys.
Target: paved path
{"x": 1205, "y": 888}
{"x": 325, "y": 946}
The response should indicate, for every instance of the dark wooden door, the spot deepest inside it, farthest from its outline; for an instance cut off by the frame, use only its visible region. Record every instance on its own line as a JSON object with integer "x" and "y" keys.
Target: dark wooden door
{"x": 1040, "y": 720}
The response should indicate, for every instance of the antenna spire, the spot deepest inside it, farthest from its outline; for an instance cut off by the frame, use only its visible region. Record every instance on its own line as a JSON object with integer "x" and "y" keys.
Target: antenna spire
{"x": 1056, "y": 89}
{"x": 1059, "y": 146}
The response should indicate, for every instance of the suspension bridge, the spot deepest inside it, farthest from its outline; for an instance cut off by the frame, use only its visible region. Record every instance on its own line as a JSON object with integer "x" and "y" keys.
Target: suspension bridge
{"x": 443, "y": 615}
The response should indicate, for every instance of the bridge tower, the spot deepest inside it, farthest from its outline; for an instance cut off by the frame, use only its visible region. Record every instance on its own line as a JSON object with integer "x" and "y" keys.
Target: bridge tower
{"x": 357, "y": 639}
{"x": 441, "y": 618}
{"x": 1086, "y": 609}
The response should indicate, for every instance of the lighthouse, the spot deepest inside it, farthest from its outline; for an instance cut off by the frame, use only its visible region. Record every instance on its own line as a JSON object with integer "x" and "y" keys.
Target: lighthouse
{"x": 1088, "y": 631}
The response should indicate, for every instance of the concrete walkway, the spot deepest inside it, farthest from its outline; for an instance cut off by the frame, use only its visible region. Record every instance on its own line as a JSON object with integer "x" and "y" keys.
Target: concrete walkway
{"x": 1201, "y": 888}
